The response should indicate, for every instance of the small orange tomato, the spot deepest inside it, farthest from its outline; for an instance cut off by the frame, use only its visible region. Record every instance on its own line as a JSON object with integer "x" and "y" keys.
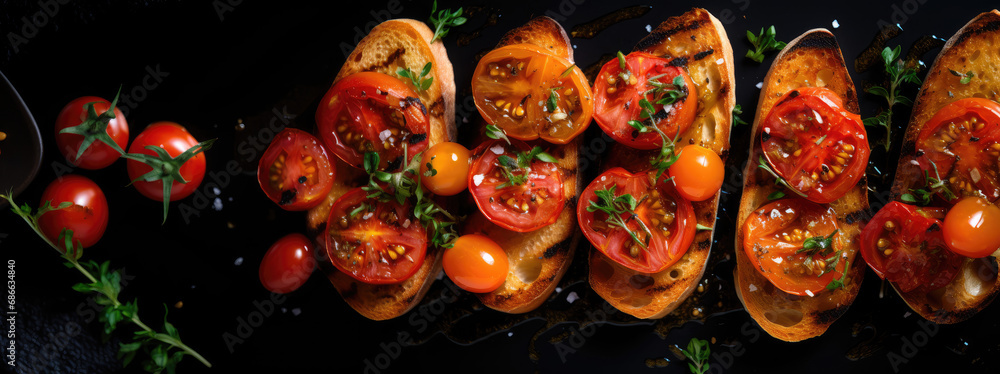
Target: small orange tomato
{"x": 972, "y": 228}
{"x": 476, "y": 263}
{"x": 450, "y": 162}
{"x": 698, "y": 173}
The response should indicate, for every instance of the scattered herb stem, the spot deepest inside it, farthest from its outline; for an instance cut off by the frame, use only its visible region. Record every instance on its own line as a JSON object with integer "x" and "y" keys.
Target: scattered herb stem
{"x": 107, "y": 284}
{"x": 897, "y": 73}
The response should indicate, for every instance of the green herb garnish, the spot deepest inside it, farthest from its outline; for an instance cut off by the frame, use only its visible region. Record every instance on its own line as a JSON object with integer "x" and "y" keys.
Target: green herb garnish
{"x": 698, "y": 351}
{"x": 966, "y": 78}
{"x": 922, "y": 196}
{"x": 737, "y": 111}
{"x": 778, "y": 179}
{"x": 897, "y": 72}
{"x": 400, "y": 186}
{"x": 494, "y": 132}
{"x": 619, "y": 209}
{"x": 418, "y": 82}
{"x": 763, "y": 43}
{"x": 445, "y": 20}
{"x": 842, "y": 282}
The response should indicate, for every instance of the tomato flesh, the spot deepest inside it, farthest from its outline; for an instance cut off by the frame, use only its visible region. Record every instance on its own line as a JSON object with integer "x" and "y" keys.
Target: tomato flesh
{"x": 972, "y": 228}
{"x": 668, "y": 217}
{"x": 87, "y": 217}
{"x": 904, "y": 244}
{"x": 532, "y": 94}
{"x": 532, "y": 204}
{"x": 372, "y": 112}
{"x": 98, "y": 155}
{"x": 476, "y": 264}
{"x": 774, "y": 239}
{"x": 288, "y": 264}
{"x": 295, "y": 171}
{"x": 380, "y": 243}
{"x": 963, "y": 141}
{"x": 175, "y": 139}
{"x": 617, "y": 96}
{"x": 818, "y": 147}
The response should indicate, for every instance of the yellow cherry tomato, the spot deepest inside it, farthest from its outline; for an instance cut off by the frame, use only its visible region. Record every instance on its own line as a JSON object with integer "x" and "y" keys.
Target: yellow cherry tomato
{"x": 450, "y": 164}
{"x": 698, "y": 173}
{"x": 972, "y": 228}
{"x": 476, "y": 264}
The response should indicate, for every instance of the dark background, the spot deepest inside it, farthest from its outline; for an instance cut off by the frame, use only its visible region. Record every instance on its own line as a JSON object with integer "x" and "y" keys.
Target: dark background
{"x": 232, "y": 61}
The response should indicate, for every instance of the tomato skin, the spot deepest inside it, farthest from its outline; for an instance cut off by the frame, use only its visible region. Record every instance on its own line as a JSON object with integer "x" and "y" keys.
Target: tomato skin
{"x": 367, "y": 246}
{"x": 776, "y": 257}
{"x": 698, "y": 173}
{"x": 360, "y": 112}
{"x": 542, "y": 193}
{"x": 287, "y": 264}
{"x": 972, "y": 228}
{"x": 523, "y": 77}
{"x": 962, "y": 149}
{"x": 175, "y": 139}
{"x": 98, "y": 155}
{"x": 918, "y": 257}
{"x": 615, "y": 104}
{"x": 827, "y": 142}
{"x": 295, "y": 147}
{"x": 87, "y": 217}
{"x": 451, "y": 163}
{"x": 615, "y": 243}
{"x": 476, "y": 264}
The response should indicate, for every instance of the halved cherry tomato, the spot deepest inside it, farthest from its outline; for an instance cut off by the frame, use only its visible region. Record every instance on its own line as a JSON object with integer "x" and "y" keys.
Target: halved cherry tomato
{"x": 175, "y": 139}
{"x": 87, "y": 217}
{"x": 618, "y": 92}
{"x": 450, "y": 162}
{"x": 372, "y": 112}
{"x": 668, "y": 217}
{"x": 904, "y": 244}
{"x": 374, "y": 242}
{"x": 972, "y": 228}
{"x": 774, "y": 239}
{"x": 476, "y": 264}
{"x": 963, "y": 141}
{"x": 533, "y": 199}
{"x": 295, "y": 171}
{"x": 287, "y": 264}
{"x": 530, "y": 93}
{"x": 820, "y": 148}
{"x": 698, "y": 173}
{"x": 98, "y": 155}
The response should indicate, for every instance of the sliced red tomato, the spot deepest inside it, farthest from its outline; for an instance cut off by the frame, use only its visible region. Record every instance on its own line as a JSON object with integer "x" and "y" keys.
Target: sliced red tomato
{"x": 816, "y": 145}
{"x": 513, "y": 191}
{"x": 372, "y": 112}
{"x": 532, "y": 94}
{"x": 904, "y": 244}
{"x": 963, "y": 141}
{"x": 618, "y": 92}
{"x": 775, "y": 239}
{"x": 374, "y": 242}
{"x": 295, "y": 171}
{"x": 664, "y": 224}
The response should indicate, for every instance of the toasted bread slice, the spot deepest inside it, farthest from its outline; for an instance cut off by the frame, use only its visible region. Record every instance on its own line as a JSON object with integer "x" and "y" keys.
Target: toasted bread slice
{"x": 811, "y": 60}
{"x": 973, "y": 48}
{"x": 699, "y": 38}
{"x": 538, "y": 259}
{"x": 391, "y": 45}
